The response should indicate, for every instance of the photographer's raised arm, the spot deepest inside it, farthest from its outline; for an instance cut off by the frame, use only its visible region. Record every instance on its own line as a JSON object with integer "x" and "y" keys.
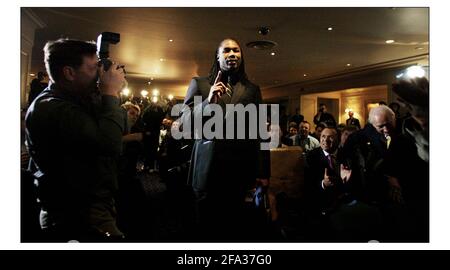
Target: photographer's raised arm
{"x": 111, "y": 81}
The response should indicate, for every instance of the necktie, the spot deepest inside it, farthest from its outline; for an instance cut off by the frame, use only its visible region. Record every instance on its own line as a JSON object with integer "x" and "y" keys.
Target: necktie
{"x": 330, "y": 162}
{"x": 229, "y": 90}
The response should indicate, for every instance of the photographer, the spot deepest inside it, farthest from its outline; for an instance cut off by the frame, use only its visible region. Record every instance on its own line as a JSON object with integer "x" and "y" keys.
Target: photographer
{"x": 324, "y": 117}
{"x": 74, "y": 136}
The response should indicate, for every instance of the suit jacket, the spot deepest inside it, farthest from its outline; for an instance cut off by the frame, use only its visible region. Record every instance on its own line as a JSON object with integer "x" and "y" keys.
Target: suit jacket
{"x": 364, "y": 152}
{"x": 221, "y": 164}
{"x": 326, "y": 118}
{"x": 353, "y": 122}
{"x": 319, "y": 199}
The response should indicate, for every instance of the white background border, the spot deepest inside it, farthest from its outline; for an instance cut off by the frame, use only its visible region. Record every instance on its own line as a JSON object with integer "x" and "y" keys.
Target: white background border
{"x": 10, "y": 141}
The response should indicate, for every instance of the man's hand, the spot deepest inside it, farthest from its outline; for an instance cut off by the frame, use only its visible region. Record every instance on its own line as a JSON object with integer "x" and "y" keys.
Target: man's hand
{"x": 327, "y": 180}
{"x": 346, "y": 173}
{"x": 111, "y": 81}
{"x": 217, "y": 90}
{"x": 395, "y": 190}
{"x": 133, "y": 137}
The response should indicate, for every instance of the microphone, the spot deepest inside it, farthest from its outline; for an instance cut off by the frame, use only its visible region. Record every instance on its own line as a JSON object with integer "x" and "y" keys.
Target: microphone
{"x": 229, "y": 89}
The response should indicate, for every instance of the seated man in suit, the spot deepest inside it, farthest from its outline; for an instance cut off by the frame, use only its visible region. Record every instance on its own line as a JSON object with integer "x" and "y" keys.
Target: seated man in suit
{"x": 335, "y": 213}
{"x": 321, "y": 173}
{"x": 321, "y": 182}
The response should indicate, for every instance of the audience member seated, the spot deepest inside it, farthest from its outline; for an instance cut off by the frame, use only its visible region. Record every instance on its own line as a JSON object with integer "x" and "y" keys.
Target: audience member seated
{"x": 304, "y": 140}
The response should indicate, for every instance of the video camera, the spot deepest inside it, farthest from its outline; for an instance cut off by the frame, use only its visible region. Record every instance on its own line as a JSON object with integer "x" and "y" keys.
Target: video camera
{"x": 103, "y": 41}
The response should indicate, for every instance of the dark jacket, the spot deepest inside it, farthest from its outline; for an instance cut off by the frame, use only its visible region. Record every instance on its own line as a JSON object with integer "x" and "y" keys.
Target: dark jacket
{"x": 353, "y": 122}
{"x": 74, "y": 145}
{"x": 318, "y": 198}
{"x": 326, "y": 118}
{"x": 225, "y": 164}
{"x": 364, "y": 152}
{"x": 36, "y": 87}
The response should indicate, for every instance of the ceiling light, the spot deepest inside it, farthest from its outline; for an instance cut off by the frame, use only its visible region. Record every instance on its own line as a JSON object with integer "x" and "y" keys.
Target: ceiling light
{"x": 389, "y": 41}
{"x": 32, "y": 74}
{"x": 170, "y": 40}
{"x": 304, "y": 75}
{"x": 272, "y": 53}
{"x": 155, "y": 92}
{"x": 144, "y": 93}
{"x": 348, "y": 65}
{"x": 330, "y": 28}
{"x": 262, "y": 44}
{"x": 161, "y": 59}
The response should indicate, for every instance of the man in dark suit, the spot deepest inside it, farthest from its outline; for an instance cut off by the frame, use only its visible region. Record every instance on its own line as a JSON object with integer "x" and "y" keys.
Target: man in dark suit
{"x": 321, "y": 183}
{"x": 222, "y": 170}
{"x": 334, "y": 210}
{"x": 321, "y": 174}
{"x": 352, "y": 121}
{"x": 324, "y": 117}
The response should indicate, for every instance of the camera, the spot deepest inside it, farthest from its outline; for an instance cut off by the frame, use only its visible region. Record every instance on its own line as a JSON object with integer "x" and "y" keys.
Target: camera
{"x": 103, "y": 41}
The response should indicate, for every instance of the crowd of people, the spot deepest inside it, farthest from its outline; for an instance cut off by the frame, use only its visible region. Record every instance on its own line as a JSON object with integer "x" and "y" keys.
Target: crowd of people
{"x": 86, "y": 149}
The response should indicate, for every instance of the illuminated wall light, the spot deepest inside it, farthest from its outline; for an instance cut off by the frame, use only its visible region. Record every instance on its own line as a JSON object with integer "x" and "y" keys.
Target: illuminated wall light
{"x": 162, "y": 59}
{"x": 170, "y": 40}
{"x": 155, "y": 92}
{"x": 272, "y": 53}
{"x": 348, "y": 65}
{"x": 170, "y": 97}
{"x": 144, "y": 93}
{"x": 330, "y": 28}
{"x": 32, "y": 74}
{"x": 154, "y": 99}
{"x": 348, "y": 110}
{"x": 304, "y": 75}
{"x": 389, "y": 41}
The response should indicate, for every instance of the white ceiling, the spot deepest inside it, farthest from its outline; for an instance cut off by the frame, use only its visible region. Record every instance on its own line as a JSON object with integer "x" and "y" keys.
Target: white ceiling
{"x": 305, "y": 46}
